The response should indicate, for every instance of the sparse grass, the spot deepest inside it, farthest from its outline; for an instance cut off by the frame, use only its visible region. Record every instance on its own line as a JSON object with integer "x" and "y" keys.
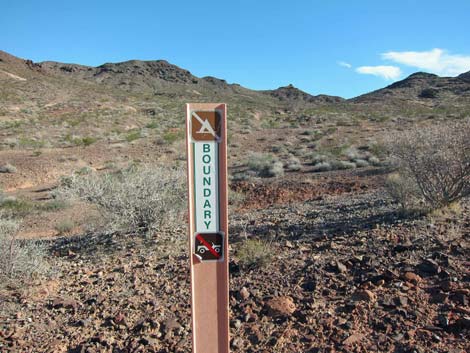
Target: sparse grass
{"x": 254, "y": 253}
{"x": 235, "y": 198}
{"x": 152, "y": 125}
{"x": 172, "y": 136}
{"x": 15, "y": 207}
{"x": 133, "y": 135}
{"x": 31, "y": 143}
{"x": 20, "y": 208}
{"x": 51, "y": 206}
{"x": 64, "y": 226}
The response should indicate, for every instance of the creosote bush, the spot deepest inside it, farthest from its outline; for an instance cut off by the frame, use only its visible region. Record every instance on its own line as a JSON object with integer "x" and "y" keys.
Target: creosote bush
{"x": 432, "y": 165}
{"x": 19, "y": 259}
{"x": 137, "y": 199}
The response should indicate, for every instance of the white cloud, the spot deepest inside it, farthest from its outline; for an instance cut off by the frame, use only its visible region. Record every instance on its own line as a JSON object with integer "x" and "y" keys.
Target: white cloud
{"x": 386, "y": 72}
{"x": 437, "y": 61}
{"x": 344, "y": 64}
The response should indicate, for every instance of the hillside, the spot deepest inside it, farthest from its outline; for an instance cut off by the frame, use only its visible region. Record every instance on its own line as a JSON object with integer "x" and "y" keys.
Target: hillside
{"x": 422, "y": 88}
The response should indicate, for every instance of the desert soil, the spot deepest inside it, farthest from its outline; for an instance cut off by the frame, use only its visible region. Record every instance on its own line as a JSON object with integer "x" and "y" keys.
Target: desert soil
{"x": 347, "y": 274}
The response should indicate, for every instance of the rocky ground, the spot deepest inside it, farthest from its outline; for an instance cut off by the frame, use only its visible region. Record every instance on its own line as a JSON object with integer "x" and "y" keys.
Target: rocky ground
{"x": 347, "y": 274}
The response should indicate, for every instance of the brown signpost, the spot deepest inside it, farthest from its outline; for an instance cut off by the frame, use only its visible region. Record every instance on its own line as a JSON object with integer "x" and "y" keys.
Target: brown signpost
{"x": 206, "y": 136}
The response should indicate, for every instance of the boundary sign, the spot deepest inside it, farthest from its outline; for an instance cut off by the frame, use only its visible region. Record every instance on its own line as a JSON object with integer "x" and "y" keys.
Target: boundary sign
{"x": 206, "y": 140}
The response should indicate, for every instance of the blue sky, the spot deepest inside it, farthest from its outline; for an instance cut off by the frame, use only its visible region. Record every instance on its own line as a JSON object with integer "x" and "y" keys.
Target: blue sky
{"x": 334, "y": 47}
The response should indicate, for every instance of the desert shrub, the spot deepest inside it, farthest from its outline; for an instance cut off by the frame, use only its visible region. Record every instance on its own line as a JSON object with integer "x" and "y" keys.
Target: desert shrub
{"x": 80, "y": 141}
{"x": 7, "y": 168}
{"x": 374, "y": 161}
{"x": 19, "y": 259}
{"x": 316, "y": 158}
{"x": 428, "y": 93}
{"x": 254, "y": 253}
{"x": 138, "y": 199}
{"x": 435, "y": 161}
{"x": 361, "y": 163}
{"x": 340, "y": 165}
{"x": 322, "y": 167}
{"x": 353, "y": 154}
{"x": 88, "y": 140}
{"x": 293, "y": 164}
{"x": 275, "y": 170}
{"x": 265, "y": 165}
{"x": 379, "y": 150}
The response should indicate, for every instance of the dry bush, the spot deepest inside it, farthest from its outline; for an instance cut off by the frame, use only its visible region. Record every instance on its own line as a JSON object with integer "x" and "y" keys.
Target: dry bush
{"x": 19, "y": 259}
{"x": 293, "y": 164}
{"x": 7, "y": 168}
{"x": 433, "y": 162}
{"x": 138, "y": 199}
{"x": 265, "y": 165}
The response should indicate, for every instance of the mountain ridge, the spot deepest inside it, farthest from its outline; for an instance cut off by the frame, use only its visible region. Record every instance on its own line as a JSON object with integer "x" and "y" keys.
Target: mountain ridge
{"x": 161, "y": 77}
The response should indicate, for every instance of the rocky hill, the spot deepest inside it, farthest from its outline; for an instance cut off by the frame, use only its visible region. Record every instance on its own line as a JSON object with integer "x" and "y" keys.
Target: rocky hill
{"x": 45, "y": 81}
{"x": 422, "y": 88}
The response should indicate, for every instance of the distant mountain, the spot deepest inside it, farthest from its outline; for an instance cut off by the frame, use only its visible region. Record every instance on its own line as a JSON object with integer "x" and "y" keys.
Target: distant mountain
{"x": 72, "y": 84}
{"x": 292, "y": 94}
{"x": 421, "y": 87}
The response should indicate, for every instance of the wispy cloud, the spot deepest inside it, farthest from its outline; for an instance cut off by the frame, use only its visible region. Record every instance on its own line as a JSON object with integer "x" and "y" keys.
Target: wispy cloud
{"x": 344, "y": 64}
{"x": 386, "y": 72}
{"x": 437, "y": 61}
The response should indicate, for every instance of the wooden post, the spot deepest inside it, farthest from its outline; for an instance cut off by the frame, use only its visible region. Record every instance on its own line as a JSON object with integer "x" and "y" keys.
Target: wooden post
{"x": 206, "y": 137}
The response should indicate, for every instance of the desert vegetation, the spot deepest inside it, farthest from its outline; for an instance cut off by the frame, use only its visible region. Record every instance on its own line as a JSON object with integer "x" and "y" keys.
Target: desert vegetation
{"x": 432, "y": 165}
{"x": 138, "y": 199}
{"x": 19, "y": 260}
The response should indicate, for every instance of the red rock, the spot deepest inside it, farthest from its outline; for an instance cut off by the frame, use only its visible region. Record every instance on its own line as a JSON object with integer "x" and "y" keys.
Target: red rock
{"x": 364, "y": 295}
{"x": 412, "y": 277}
{"x": 354, "y": 338}
{"x": 280, "y": 307}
